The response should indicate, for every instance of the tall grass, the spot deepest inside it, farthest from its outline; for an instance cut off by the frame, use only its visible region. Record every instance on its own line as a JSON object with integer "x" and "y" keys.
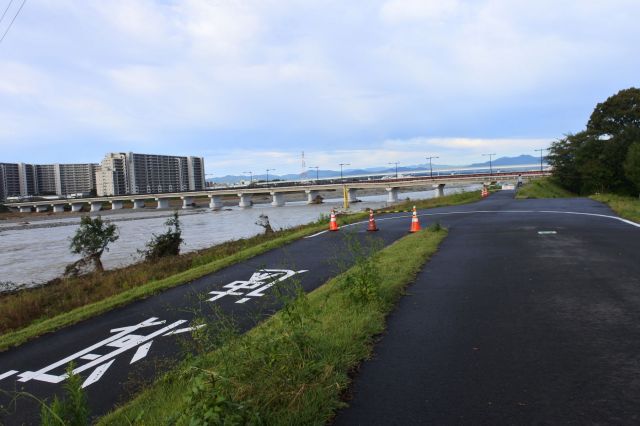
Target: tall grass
{"x": 294, "y": 367}
{"x": 627, "y": 207}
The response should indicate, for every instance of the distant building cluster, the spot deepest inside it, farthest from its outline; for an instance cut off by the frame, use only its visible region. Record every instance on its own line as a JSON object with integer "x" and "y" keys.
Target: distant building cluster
{"x": 117, "y": 174}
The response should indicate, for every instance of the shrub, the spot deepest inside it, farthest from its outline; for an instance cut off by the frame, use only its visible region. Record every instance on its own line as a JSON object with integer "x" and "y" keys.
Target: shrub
{"x": 167, "y": 244}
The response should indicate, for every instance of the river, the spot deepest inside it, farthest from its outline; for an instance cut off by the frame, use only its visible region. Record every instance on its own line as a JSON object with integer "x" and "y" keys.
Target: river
{"x": 36, "y": 253}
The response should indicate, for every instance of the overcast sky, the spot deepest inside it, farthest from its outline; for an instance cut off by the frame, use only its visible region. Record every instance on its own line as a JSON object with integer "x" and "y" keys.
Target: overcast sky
{"x": 250, "y": 84}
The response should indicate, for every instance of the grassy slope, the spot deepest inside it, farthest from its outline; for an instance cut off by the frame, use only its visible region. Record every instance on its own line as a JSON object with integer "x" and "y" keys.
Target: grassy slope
{"x": 294, "y": 367}
{"x": 543, "y": 188}
{"x": 627, "y": 207}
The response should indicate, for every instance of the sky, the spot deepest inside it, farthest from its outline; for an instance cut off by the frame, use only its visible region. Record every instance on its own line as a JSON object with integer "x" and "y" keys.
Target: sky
{"x": 251, "y": 84}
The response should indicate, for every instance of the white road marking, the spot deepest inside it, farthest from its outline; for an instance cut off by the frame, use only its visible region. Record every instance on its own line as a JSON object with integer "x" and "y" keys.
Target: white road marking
{"x": 547, "y": 232}
{"x": 97, "y": 373}
{"x": 628, "y": 222}
{"x": 8, "y": 374}
{"x": 141, "y": 352}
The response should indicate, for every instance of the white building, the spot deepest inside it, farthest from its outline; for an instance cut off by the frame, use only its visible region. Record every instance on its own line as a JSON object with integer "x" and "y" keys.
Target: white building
{"x": 131, "y": 173}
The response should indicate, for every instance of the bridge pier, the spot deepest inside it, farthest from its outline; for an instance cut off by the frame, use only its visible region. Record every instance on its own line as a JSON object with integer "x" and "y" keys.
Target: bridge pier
{"x": 76, "y": 207}
{"x": 392, "y": 195}
{"x": 95, "y": 206}
{"x": 41, "y": 208}
{"x": 138, "y": 204}
{"x": 163, "y": 203}
{"x": 439, "y": 190}
{"x": 352, "y": 197}
{"x": 278, "y": 199}
{"x": 215, "y": 202}
{"x": 58, "y": 208}
{"x": 187, "y": 202}
{"x": 245, "y": 200}
{"x": 25, "y": 209}
{"x": 312, "y": 196}
{"x": 117, "y": 204}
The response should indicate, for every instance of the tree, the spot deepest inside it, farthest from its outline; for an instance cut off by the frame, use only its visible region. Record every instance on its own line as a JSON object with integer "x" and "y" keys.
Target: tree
{"x": 167, "y": 244}
{"x": 91, "y": 240}
{"x": 592, "y": 160}
{"x": 632, "y": 165}
{"x": 616, "y": 114}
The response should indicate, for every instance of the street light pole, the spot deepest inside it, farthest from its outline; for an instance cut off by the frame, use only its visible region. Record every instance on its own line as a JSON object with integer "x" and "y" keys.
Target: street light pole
{"x": 269, "y": 170}
{"x": 396, "y": 163}
{"x": 250, "y": 177}
{"x": 541, "y": 150}
{"x": 490, "y": 164}
{"x": 343, "y": 164}
{"x": 315, "y": 167}
{"x": 430, "y": 166}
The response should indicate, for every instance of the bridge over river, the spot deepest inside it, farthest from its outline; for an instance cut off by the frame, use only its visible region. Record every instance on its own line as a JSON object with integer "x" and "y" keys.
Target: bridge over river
{"x": 244, "y": 194}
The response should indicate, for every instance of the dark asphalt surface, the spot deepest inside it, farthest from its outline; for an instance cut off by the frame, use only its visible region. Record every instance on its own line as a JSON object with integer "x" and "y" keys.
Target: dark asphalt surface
{"x": 508, "y": 326}
{"x": 499, "y": 314}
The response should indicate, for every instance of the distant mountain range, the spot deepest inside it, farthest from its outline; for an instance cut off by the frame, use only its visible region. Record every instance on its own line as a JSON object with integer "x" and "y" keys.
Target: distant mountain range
{"x": 311, "y": 174}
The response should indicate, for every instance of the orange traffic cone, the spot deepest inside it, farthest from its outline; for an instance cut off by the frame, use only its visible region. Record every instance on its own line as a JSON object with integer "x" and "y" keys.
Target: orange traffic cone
{"x": 333, "y": 225}
{"x": 372, "y": 222}
{"x": 485, "y": 192}
{"x": 415, "y": 224}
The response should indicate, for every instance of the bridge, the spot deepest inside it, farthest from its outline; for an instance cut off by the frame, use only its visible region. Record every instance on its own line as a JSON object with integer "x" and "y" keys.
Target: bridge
{"x": 244, "y": 194}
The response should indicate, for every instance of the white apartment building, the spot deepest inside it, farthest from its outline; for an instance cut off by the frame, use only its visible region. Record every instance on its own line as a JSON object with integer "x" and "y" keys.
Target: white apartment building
{"x": 131, "y": 173}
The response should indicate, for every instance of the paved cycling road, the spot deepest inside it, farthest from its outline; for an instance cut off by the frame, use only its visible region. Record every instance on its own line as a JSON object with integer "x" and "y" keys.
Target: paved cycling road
{"x": 508, "y": 325}
{"x": 118, "y": 350}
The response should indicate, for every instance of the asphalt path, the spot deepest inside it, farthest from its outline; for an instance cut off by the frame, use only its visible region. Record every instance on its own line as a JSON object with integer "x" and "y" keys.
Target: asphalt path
{"x": 529, "y": 315}
{"x": 123, "y": 349}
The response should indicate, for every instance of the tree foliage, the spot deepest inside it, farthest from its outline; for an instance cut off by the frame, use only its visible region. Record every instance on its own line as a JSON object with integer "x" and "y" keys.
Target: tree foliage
{"x": 92, "y": 239}
{"x": 592, "y": 160}
{"x": 166, "y": 244}
{"x": 632, "y": 165}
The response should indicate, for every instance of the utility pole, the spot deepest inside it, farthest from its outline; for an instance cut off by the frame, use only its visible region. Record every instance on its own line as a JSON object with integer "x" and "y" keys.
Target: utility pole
{"x": 250, "y": 177}
{"x": 490, "y": 164}
{"x": 342, "y": 164}
{"x": 269, "y": 170}
{"x": 541, "y": 150}
{"x": 430, "y": 166}
{"x": 396, "y": 163}
{"x": 315, "y": 167}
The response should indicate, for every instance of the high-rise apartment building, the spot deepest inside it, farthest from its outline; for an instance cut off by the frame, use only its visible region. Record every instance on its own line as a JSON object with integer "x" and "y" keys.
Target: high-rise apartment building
{"x": 22, "y": 180}
{"x": 131, "y": 173}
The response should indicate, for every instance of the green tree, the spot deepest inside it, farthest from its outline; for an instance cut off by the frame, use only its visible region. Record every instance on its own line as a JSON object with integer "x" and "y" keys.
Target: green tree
{"x": 92, "y": 238}
{"x": 617, "y": 113}
{"x": 632, "y": 165}
{"x": 167, "y": 244}
{"x": 592, "y": 160}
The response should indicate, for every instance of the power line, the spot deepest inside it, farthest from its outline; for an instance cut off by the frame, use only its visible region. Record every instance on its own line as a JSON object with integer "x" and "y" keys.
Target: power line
{"x": 12, "y": 21}
{"x": 6, "y": 10}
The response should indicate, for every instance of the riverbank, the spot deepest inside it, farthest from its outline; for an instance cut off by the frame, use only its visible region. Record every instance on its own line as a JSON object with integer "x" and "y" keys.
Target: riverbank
{"x": 294, "y": 368}
{"x": 32, "y": 312}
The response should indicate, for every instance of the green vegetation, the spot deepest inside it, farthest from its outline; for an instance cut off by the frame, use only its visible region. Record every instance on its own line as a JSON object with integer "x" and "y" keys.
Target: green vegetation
{"x": 294, "y": 367}
{"x": 627, "y": 207}
{"x": 167, "y": 244}
{"x": 605, "y": 157}
{"x": 70, "y": 411}
{"x": 91, "y": 240}
{"x": 543, "y": 188}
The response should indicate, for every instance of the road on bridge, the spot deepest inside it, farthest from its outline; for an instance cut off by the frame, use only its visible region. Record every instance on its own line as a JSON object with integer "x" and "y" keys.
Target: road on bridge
{"x": 493, "y": 282}
{"x": 520, "y": 318}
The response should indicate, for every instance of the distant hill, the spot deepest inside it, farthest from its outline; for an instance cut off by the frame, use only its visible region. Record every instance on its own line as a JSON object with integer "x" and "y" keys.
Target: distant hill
{"x": 510, "y": 161}
{"x": 311, "y": 174}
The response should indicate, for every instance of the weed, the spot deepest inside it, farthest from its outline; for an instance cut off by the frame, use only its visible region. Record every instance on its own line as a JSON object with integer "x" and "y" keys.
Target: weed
{"x": 73, "y": 410}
